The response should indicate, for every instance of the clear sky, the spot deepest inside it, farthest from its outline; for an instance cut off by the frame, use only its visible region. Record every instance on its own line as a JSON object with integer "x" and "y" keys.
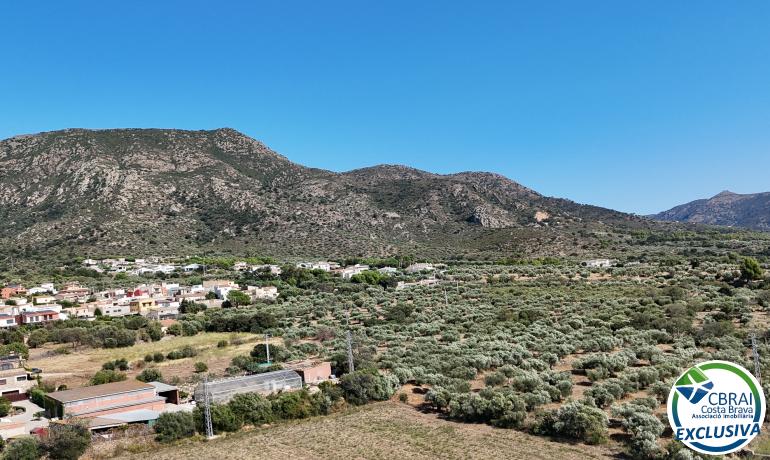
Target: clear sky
{"x": 636, "y": 106}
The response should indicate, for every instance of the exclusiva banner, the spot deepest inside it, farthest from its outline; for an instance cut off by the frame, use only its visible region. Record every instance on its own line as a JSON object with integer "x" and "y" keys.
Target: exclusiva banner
{"x": 716, "y": 408}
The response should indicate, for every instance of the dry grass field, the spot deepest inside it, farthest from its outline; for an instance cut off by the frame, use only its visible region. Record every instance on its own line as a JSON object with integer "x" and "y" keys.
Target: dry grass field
{"x": 385, "y": 430}
{"x": 76, "y": 368}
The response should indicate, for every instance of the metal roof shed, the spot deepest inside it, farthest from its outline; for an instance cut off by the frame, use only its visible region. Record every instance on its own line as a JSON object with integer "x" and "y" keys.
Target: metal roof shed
{"x": 222, "y": 391}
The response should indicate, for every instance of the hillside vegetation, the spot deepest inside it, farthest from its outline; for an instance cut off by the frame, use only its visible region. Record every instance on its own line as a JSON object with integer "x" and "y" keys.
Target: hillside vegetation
{"x": 172, "y": 192}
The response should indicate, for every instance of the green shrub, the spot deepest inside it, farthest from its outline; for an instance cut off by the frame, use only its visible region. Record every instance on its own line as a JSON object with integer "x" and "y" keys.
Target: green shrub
{"x": 360, "y": 387}
{"x": 277, "y": 353}
{"x": 67, "y": 441}
{"x": 252, "y": 408}
{"x": 293, "y": 405}
{"x": 222, "y": 419}
{"x": 24, "y": 448}
{"x": 644, "y": 428}
{"x": 201, "y": 367}
{"x": 574, "y": 420}
{"x": 5, "y": 407}
{"x": 150, "y": 374}
{"x": 107, "y": 376}
{"x": 171, "y": 426}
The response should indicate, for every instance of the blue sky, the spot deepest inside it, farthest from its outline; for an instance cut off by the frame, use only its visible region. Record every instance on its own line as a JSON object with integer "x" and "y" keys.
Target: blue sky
{"x": 636, "y": 106}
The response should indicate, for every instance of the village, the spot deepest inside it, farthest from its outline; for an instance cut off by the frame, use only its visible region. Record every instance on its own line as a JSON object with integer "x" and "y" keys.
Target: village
{"x": 134, "y": 402}
{"x": 159, "y": 301}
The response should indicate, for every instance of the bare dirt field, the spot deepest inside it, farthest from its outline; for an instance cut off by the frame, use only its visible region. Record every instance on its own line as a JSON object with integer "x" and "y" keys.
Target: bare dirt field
{"x": 75, "y": 368}
{"x": 385, "y": 430}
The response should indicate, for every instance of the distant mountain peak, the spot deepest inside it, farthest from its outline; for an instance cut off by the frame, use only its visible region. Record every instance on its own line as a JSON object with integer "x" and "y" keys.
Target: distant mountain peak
{"x": 724, "y": 193}
{"x": 751, "y": 210}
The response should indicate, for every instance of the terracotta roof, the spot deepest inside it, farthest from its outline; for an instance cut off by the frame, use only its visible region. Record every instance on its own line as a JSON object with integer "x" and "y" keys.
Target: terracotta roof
{"x": 97, "y": 391}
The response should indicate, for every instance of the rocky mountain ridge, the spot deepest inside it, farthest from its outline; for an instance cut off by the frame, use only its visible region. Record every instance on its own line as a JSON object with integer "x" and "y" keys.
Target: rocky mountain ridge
{"x": 726, "y": 208}
{"x": 141, "y": 191}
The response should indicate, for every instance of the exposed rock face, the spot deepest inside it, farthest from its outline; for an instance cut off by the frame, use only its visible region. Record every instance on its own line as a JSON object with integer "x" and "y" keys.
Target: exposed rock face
{"x": 152, "y": 191}
{"x": 494, "y": 218}
{"x": 726, "y": 208}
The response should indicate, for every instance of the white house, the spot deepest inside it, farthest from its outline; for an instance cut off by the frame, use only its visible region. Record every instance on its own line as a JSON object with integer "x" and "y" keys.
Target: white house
{"x": 43, "y": 299}
{"x": 349, "y": 272}
{"x": 192, "y": 268}
{"x": 44, "y": 288}
{"x": 7, "y": 320}
{"x": 325, "y": 266}
{"x": 222, "y": 291}
{"x": 265, "y": 292}
{"x": 597, "y": 263}
{"x": 116, "y": 310}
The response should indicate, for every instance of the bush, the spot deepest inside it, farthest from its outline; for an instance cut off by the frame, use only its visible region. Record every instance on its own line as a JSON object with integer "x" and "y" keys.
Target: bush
{"x": 360, "y": 387}
{"x": 252, "y": 408}
{"x": 222, "y": 419}
{"x": 171, "y": 426}
{"x": 501, "y": 408}
{"x": 25, "y": 448}
{"x": 5, "y": 407}
{"x": 643, "y": 427}
{"x": 238, "y": 298}
{"x": 277, "y": 353}
{"x": 201, "y": 367}
{"x": 750, "y": 269}
{"x": 107, "y": 376}
{"x": 67, "y": 441}
{"x": 293, "y": 405}
{"x": 574, "y": 420}
{"x": 150, "y": 374}
{"x": 118, "y": 364}
{"x": 37, "y": 396}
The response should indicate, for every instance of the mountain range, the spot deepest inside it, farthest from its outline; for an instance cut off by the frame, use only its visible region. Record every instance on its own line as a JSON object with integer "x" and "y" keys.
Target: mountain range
{"x": 165, "y": 191}
{"x": 726, "y": 208}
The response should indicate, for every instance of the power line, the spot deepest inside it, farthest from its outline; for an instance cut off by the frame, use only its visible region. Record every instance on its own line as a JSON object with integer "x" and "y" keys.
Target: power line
{"x": 207, "y": 408}
{"x": 267, "y": 347}
{"x": 351, "y": 365}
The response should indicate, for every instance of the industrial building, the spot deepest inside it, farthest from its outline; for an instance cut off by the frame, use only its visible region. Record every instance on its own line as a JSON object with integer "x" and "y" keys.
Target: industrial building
{"x": 111, "y": 399}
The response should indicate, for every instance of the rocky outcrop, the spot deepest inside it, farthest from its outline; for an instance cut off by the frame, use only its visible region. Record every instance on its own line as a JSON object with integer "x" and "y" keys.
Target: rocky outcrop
{"x": 490, "y": 218}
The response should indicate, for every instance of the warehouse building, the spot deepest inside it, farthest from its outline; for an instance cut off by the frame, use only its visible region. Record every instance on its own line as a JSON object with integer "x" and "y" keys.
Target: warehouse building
{"x": 110, "y": 399}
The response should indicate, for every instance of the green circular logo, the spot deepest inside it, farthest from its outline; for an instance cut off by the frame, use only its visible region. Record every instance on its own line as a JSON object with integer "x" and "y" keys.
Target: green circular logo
{"x": 716, "y": 407}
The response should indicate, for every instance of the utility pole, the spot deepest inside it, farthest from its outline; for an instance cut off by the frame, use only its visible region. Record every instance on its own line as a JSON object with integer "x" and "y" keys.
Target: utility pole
{"x": 267, "y": 347}
{"x": 446, "y": 298}
{"x": 755, "y": 353}
{"x": 207, "y": 409}
{"x": 351, "y": 365}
